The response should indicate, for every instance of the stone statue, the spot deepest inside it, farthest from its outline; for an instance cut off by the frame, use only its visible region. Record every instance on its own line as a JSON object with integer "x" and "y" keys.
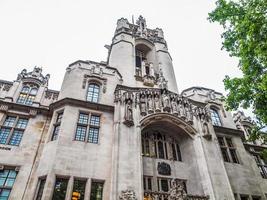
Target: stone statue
{"x": 174, "y": 106}
{"x": 177, "y": 191}
{"x": 46, "y": 79}
{"x": 143, "y": 104}
{"x": 150, "y": 104}
{"x": 22, "y": 74}
{"x": 127, "y": 195}
{"x": 128, "y": 111}
{"x": 36, "y": 72}
{"x": 181, "y": 112}
{"x": 161, "y": 80}
{"x": 157, "y": 103}
{"x": 166, "y": 101}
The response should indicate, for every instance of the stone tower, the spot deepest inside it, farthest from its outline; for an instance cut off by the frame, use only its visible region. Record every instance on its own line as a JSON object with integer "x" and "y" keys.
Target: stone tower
{"x": 119, "y": 130}
{"x": 141, "y": 55}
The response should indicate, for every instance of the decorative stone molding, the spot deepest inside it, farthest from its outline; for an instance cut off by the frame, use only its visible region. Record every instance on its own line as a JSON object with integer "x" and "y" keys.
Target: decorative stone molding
{"x": 33, "y": 112}
{"x": 140, "y": 30}
{"x": 164, "y": 169}
{"x": 151, "y": 101}
{"x": 97, "y": 77}
{"x": 5, "y": 86}
{"x": 203, "y": 114}
{"x": 51, "y": 95}
{"x": 4, "y": 108}
{"x": 127, "y": 195}
{"x": 177, "y": 191}
{"x": 35, "y": 76}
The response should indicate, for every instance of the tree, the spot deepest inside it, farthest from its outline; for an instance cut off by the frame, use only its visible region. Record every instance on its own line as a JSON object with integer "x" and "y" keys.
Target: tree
{"x": 245, "y": 37}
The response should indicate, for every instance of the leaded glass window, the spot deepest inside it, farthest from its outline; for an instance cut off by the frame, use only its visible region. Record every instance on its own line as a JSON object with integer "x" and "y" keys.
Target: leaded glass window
{"x": 93, "y": 92}
{"x": 11, "y": 132}
{"x": 215, "y": 118}
{"x": 228, "y": 149}
{"x": 7, "y": 179}
{"x": 88, "y": 130}
{"x": 27, "y": 94}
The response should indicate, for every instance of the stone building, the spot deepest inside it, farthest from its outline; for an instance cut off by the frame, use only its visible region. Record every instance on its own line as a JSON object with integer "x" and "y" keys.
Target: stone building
{"x": 120, "y": 130}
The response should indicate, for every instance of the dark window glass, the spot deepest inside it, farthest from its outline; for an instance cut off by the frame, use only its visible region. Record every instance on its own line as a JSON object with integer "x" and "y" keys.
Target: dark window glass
{"x": 40, "y": 189}
{"x": 174, "y": 152}
{"x": 57, "y": 126}
{"x": 178, "y": 152}
{"x": 234, "y": 156}
{"x": 229, "y": 142}
{"x": 7, "y": 179}
{"x": 60, "y": 189}
{"x": 215, "y": 118}
{"x": 221, "y": 141}
{"x": 55, "y": 132}
{"x": 93, "y": 93}
{"x": 225, "y": 155}
{"x": 256, "y": 198}
{"x": 244, "y": 198}
{"x": 147, "y": 153}
{"x": 144, "y": 183}
{"x": 97, "y": 190}
{"x": 93, "y": 135}
{"x": 160, "y": 150}
{"x": 149, "y": 184}
{"x": 78, "y": 189}
{"x": 164, "y": 185}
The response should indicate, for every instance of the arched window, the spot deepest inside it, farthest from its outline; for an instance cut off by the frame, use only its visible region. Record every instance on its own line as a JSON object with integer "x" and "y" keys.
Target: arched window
{"x": 215, "y": 118}
{"x": 27, "y": 94}
{"x": 93, "y": 92}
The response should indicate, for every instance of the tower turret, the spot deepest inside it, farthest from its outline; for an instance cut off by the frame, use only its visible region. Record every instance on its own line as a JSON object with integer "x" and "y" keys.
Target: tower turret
{"x": 141, "y": 55}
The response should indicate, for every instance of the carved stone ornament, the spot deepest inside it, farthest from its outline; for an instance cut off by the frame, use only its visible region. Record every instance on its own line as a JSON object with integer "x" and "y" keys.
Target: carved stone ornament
{"x": 128, "y": 113}
{"x": 164, "y": 169}
{"x": 127, "y": 195}
{"x": 98, "y": 77}
{"x": 151, "y": 101}
{"x": 177, "y": 191}
{"x": 35, "y": 75}
{"x": 5, "y": 87}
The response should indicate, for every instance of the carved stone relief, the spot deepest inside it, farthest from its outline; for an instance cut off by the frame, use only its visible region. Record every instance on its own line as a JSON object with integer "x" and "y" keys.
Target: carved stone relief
{"x": 127, "y": 195}
{"x": 177, "y": 191}
{"x": 164, "y": 169}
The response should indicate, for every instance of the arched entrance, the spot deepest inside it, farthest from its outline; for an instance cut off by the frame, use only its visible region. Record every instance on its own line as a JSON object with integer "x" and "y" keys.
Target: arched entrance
{"x": 167, "y": 155}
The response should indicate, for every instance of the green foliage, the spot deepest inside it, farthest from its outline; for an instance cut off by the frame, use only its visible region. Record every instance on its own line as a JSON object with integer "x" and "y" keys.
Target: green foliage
{"x": 245, "y": 37}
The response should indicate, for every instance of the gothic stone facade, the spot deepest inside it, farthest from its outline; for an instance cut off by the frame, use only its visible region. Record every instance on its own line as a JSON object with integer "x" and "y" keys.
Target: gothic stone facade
{"x": 121, "y": 130}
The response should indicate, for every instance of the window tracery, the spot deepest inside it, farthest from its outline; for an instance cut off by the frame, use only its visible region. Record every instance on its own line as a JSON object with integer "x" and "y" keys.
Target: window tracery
{"x": 215, "y": 117}
{"x": 27, "y": 94}
{"x": 161, "y": 146}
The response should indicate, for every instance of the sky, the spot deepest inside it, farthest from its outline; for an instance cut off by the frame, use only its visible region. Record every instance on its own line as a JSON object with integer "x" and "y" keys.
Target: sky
{"x": 53, "y": 34}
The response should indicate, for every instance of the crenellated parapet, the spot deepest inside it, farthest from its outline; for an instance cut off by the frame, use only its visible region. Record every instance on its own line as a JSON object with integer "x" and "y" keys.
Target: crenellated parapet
{"x": 140, "y": 30}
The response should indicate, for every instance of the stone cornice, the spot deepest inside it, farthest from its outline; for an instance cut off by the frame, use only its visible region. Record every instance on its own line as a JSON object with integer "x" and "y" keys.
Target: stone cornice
{"x": 96, "y": 63}
{"x": 80, "y": 103}
{"x": 229, "y": 131}
{"x": 28, "y": 110}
